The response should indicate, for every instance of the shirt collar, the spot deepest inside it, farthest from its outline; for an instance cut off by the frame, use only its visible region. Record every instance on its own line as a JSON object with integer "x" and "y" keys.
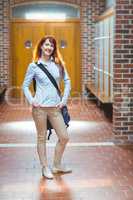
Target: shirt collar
{"x": 43, "y": 62}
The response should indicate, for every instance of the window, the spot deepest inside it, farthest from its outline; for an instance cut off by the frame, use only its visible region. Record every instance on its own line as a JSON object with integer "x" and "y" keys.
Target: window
{"x": 103, "y": 69}
{"x": 110, "y": 3}
{"x": 45, "y": 11}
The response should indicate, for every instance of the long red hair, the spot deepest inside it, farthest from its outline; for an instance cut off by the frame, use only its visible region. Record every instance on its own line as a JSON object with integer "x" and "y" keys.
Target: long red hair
{"x": 57, "y": 58}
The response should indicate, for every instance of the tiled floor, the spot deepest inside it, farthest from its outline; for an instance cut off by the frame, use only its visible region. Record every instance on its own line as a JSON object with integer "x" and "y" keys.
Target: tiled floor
{"x": 101, "y": 170}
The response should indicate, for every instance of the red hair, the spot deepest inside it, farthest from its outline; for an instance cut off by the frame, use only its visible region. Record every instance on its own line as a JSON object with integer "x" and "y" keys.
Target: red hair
{"x": 57, "y": 58}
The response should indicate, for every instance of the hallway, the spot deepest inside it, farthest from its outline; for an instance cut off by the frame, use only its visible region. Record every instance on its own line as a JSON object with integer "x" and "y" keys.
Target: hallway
{"x": 102, "y": 170}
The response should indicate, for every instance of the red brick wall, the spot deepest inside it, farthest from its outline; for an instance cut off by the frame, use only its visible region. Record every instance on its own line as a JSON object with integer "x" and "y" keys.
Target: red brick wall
{"x": 13, "y": 2}
{"x": 89, "y": 11}
{"x": 123, "y": 69}
{"x": 4, "y": 42}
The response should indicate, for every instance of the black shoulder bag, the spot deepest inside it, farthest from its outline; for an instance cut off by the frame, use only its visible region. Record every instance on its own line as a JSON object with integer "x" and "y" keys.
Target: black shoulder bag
{"x": 64, "y": 109}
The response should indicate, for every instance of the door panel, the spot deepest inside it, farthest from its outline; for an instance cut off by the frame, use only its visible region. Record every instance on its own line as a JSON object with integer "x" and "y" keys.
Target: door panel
{"x": 33, "y": 31}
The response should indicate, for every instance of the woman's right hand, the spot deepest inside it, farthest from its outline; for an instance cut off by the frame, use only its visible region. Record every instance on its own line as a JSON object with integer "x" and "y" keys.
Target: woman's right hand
{"x": 34, "y": 104}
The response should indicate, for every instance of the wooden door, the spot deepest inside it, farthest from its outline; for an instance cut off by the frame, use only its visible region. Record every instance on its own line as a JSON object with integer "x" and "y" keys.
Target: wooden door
{"x": 21, "y": 56}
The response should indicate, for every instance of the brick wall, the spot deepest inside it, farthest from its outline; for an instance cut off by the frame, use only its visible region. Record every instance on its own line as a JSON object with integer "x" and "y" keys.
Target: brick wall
{"x": 14, "y": 2}
{"x": 89, "y": 11}
{"x": 4, "y": 42}
{"x": 123, "y": 70}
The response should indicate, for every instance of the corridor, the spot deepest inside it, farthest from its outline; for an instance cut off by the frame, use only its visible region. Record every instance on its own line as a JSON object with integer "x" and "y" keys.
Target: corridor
{"x": 102, "y": 168}
{"x": 95, "y": 45}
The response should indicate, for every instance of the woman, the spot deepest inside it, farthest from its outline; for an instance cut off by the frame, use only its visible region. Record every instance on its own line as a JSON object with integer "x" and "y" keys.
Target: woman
{"x": 47, "y": 103}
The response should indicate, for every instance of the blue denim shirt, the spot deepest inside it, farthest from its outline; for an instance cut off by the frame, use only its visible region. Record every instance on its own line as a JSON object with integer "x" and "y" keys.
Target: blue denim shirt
{"x": 46, "y": 94}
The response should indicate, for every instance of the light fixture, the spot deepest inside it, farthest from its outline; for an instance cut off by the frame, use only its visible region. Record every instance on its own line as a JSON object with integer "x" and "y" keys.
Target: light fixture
{"x": 53, "y": 16}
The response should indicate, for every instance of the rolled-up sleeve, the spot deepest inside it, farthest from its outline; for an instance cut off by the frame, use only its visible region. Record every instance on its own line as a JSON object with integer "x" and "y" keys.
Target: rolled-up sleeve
{"x": 67, "y": 87}
{"x": 27, "y": 81}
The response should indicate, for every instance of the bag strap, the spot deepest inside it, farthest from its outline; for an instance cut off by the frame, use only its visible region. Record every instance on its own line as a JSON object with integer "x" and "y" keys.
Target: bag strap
{"x": 43, "y": 68}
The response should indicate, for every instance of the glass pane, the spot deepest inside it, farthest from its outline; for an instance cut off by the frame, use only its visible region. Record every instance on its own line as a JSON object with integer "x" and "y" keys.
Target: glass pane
{"x": 28, "y": 44}
{"x": 45, "y": 11}
{"x": 104, "y": 43}
{"x": 110, "y": 3}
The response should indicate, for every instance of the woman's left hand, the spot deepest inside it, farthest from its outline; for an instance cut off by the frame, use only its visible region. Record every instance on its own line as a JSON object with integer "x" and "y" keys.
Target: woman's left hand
{"x": 60, "y": 105}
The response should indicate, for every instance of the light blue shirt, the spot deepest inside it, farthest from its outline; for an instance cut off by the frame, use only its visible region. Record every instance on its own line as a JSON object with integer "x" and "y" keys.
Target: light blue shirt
{"x": 46, "y": 94}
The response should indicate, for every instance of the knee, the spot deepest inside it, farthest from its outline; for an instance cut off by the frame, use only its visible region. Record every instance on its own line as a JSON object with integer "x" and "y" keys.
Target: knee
{"x": 64, "y": 140}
